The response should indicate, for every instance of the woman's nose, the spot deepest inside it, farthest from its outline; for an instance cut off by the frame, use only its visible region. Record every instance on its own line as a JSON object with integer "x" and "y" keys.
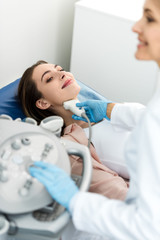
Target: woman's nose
{"x": 62, "y": 75}
{"x": 137, "y": 27}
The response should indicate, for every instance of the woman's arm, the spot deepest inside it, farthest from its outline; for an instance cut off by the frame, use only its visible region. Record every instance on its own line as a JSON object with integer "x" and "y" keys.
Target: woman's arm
{"x": 104, "y": 181}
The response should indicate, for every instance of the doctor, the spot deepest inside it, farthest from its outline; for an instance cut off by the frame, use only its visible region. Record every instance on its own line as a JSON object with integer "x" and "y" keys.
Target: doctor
{"x": 138, "y": 217}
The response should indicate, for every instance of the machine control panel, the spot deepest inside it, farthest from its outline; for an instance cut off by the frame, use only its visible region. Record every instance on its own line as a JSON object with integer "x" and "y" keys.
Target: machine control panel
{"x": 17, "y": 154}
{"x": 25, "y": 204}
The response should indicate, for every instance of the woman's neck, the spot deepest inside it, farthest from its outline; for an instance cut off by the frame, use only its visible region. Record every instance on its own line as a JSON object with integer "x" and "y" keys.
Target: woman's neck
{"x": 68, "y": 120}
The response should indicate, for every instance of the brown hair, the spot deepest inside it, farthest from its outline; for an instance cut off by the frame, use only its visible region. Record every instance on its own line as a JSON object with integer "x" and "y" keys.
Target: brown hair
{"x": 28, "y": 94}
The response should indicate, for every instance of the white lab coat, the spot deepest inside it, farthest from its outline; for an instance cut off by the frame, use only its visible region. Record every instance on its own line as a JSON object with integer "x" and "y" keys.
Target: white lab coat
{"x": 138, "y": 218}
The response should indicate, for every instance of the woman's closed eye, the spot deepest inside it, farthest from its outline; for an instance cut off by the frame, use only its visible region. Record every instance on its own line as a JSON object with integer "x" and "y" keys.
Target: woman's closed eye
{"x": 150, "y": 19}
{"x": 49, "y": 79}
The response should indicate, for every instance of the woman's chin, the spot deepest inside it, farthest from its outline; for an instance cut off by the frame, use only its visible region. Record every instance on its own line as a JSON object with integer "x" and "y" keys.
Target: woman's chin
{"x": 76, "y": 91}
{"x": 138, "y": 56}
{"x": 142, "y": 56}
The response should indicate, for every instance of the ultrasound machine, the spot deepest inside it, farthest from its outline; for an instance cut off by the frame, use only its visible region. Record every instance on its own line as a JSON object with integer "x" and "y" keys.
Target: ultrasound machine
{"x": 27, "y": 212}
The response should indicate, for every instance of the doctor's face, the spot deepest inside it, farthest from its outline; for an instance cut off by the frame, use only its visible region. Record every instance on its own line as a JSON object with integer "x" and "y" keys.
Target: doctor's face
{"x": 55, "y": 84}
{"x": 148, "y": 30}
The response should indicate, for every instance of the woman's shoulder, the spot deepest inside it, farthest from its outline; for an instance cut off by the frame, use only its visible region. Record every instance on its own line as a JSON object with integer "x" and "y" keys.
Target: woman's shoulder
{"x": 76, "y": 132}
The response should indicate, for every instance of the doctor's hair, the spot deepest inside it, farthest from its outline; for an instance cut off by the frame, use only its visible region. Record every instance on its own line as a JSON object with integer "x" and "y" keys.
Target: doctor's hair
{"x": 28, "y": 94}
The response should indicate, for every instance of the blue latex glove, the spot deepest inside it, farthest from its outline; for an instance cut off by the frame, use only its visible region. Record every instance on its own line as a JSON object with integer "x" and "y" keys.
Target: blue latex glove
{"x": 95, "y": 110}
{"x": 59, "y": 185}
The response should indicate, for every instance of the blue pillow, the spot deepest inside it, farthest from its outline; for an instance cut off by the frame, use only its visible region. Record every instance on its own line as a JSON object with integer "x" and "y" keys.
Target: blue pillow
{"x": 10, "y": 105}
{"x": 87, "y": 93}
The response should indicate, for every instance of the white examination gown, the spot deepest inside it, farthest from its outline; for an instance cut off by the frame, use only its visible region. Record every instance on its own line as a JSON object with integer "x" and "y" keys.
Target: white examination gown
{"x": 138, "y": 218}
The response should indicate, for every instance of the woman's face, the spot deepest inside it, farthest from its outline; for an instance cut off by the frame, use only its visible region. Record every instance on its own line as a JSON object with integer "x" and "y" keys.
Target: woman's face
{"x": 55, "y": 84}
{"x": 148, "y": 30}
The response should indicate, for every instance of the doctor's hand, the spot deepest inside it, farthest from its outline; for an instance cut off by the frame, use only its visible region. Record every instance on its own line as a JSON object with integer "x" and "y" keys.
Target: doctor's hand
{"x": 95, "y": 110}
{"x": 59, "y": 185}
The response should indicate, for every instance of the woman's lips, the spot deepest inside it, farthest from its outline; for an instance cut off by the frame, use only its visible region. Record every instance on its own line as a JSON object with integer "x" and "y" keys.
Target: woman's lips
{"x": 142, "y": 43}
{"x": 67, "y": 83}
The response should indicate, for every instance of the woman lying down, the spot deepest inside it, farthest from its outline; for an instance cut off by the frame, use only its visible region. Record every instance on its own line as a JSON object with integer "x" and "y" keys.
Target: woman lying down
{"x": 42, "y": 90}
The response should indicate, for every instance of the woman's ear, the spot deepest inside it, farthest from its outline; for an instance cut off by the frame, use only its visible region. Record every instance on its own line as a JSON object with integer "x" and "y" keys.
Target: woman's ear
{"x": 42, "y": 104}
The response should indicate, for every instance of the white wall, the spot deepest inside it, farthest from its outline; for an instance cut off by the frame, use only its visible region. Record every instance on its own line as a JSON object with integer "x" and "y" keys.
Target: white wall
{"x": 31, "y": 30}
{"x": 103, "y": 49}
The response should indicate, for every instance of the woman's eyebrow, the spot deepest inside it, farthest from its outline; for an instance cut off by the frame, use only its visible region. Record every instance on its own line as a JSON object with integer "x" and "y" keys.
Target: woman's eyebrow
{"x": 147, "y": 10}
{"x": 47, "y": 72}
{"x": 44, "y": 74}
